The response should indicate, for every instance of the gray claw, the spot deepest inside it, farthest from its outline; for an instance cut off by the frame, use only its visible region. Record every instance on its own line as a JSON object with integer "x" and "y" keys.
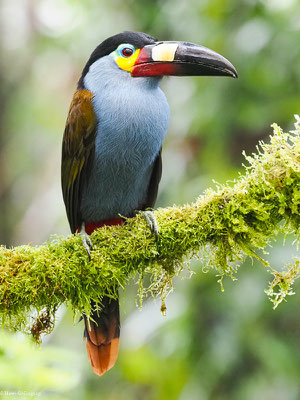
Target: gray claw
{"x": 86, "y": 240}
{"x": 151, "y": 221}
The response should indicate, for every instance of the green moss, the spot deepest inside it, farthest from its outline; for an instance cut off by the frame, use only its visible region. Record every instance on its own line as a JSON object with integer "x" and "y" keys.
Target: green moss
{"x": 281, "y": 286}
{"x": 223, "y": 225}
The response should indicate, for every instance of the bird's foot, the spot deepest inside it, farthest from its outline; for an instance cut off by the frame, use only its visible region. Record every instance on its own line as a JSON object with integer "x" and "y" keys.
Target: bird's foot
{"x": 151, "y": 221}
{"x": 86, "y": 240}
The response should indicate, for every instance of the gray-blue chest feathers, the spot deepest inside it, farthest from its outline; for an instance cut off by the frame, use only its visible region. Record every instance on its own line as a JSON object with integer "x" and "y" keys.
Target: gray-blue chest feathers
{"x": 133, "y": 118}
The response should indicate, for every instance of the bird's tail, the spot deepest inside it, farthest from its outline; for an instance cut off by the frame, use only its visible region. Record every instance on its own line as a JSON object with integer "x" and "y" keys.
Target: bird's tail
{"x": 102, "y": 334}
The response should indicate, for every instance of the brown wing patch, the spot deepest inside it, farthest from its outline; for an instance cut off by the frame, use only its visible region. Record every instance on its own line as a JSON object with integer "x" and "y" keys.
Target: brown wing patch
{"x": 77, "y": 152}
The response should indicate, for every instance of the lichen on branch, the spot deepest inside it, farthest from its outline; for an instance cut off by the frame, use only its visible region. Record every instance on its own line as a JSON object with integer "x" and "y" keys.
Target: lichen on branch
{"x": 225, "y": 225}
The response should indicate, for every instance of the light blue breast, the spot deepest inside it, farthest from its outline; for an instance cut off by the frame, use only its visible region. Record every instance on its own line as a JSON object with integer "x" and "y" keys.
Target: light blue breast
{"x": 133, "y": 116}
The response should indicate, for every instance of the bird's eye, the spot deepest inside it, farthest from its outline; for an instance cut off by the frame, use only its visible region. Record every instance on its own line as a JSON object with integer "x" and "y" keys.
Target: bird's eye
{"x": 125, "y": 56}
{"x": 127, "y": 52}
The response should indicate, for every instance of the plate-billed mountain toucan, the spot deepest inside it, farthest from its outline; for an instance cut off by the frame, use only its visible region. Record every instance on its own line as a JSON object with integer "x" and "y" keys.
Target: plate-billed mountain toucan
{"x": 111, "y": 152}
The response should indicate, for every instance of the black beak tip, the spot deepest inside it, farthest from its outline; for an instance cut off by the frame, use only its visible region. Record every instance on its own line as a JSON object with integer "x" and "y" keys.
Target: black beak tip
{"x": 234, "y": 74}
{"x": 231, "y": 71}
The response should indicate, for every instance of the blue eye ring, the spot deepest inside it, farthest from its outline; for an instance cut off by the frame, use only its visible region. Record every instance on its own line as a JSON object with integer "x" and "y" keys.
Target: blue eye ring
{"x": 126, "y": 50}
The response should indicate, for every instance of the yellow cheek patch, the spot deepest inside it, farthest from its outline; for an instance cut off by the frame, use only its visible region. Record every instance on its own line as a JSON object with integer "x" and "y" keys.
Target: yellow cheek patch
{"x": 164, "y": 52}
{"x": 127, "y": 63}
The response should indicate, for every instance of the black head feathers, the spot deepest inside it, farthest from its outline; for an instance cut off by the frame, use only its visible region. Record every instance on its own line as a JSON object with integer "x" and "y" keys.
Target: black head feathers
{"x": 137, "y": 39}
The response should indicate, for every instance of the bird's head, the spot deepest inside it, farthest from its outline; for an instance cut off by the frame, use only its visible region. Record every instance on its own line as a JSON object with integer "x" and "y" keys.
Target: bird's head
{"x": 141, "y": 55}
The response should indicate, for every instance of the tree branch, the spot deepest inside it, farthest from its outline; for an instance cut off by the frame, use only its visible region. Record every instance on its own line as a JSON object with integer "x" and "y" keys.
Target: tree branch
{"x": 225, "y": 225}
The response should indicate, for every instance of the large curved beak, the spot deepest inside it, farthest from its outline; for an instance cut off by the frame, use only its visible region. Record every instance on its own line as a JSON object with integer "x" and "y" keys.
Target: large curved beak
{"x": 181, "y": 59}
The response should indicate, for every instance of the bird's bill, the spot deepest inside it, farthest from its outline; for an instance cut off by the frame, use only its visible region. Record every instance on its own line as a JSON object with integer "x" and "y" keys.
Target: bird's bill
{"x": 181, "y": 59}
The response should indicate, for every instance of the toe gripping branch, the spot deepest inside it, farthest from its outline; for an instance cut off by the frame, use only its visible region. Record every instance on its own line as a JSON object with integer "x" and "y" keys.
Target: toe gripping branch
{"x": 151, "y": 221}
{"x": 86, "y": 240}
{"x": 147, "y": 215}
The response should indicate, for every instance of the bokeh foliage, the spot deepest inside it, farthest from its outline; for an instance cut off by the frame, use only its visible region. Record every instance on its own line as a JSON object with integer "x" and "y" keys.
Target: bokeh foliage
{"x": 211, "y": 345}
{"x": 224, "y": 226}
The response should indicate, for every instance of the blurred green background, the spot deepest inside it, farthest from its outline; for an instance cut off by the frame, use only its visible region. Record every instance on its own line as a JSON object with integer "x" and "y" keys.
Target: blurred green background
{"x": 211, "y": 345}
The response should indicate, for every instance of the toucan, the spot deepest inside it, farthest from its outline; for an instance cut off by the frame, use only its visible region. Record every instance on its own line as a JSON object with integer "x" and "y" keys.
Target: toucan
{"x": 111, "y": 150}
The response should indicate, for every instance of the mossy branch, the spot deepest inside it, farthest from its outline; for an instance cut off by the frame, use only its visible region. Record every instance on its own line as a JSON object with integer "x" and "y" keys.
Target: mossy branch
{"x": 224, "y": 225}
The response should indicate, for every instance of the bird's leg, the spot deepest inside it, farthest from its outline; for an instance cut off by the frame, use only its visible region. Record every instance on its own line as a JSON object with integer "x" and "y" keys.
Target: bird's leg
{"x": 86, "y": 241}
{"x": 151, "y": 221}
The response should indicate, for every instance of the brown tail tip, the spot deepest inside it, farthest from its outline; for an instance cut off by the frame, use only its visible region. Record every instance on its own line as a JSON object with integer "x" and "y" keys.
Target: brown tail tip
{"x": 103, "y": 356}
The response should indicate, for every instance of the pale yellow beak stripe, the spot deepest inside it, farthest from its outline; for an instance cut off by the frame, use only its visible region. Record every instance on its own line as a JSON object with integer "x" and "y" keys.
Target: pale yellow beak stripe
{"x": 164, "y": 52}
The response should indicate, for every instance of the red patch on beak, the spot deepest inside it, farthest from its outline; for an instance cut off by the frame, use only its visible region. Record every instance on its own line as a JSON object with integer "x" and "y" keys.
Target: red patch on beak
{"x": 144, "y": 56}
{"x": 153, "y": 68}
{"x": 145, "y": 66}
